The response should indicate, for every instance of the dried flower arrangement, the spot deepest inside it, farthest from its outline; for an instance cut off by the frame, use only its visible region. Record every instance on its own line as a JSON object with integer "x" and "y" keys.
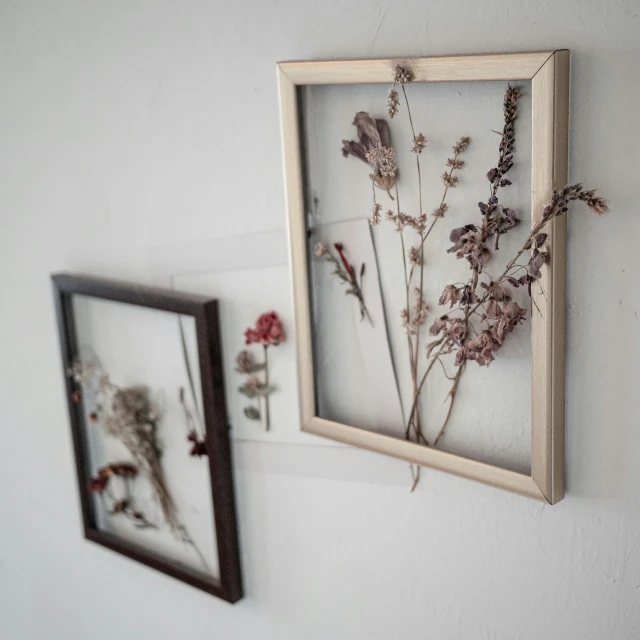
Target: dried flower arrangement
{"x": 268, "y": 332}
{"x": 346, "y": 273}
{"x": 101, "y": 484}
{"x": 482, "y": 312}
{"x": 128, "y": 414}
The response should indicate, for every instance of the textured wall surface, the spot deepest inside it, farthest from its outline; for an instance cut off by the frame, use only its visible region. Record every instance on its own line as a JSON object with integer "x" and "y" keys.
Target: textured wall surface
{"x": 127, "y": 124}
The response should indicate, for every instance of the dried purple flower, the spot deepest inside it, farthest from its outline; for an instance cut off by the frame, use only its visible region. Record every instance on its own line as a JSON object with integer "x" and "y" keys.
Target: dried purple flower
{"x": 538, "y": 258}
{"x": 373, "y": 135}
{"x": 450, "y": 295}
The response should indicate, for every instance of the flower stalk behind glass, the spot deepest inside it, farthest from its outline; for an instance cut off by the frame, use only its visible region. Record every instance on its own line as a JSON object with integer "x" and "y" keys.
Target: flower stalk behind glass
{"x": 346, "y": 273}
{"x": 268, "y": 332}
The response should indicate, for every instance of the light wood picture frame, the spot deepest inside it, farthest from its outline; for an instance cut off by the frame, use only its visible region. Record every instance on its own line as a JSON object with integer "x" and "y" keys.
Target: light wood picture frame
{"x": 548, "y": 72}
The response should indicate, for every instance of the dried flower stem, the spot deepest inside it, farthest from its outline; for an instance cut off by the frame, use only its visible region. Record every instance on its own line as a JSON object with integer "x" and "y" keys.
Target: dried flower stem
{"x": 345, "y": 272}
{"x": 451, "y": 396}
{"x": 413, "y": 355}
{"x": 267, "y": 416}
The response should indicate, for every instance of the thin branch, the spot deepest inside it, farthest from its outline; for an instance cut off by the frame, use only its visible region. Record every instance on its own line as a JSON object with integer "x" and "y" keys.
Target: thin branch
{"x": 452, "y": 396}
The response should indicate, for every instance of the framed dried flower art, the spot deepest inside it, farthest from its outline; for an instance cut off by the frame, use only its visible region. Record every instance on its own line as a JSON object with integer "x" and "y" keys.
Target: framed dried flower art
{"x": 150, "y": 432}
{"x": 459, "y": 164}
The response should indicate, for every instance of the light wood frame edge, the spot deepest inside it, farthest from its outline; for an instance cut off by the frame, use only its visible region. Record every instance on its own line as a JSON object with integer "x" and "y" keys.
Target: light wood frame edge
{"x": 549, "y": 73}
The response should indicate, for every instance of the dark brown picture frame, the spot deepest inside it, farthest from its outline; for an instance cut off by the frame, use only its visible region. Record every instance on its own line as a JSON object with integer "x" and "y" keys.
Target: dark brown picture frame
{"x": 205, "y": 312}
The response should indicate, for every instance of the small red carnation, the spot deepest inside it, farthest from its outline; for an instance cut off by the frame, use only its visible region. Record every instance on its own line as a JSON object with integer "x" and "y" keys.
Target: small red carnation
{"x": 268, "y": 330}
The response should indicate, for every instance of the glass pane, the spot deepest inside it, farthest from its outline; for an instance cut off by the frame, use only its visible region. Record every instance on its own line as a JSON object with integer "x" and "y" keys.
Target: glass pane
{"x": 364, "y": 376}
{"x": 135, "y": 375}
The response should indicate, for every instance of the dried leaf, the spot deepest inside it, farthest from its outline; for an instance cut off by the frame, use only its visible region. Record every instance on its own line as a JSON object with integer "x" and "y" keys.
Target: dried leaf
{"x": 252, "y": 413}
{"x": 540, "y": 240}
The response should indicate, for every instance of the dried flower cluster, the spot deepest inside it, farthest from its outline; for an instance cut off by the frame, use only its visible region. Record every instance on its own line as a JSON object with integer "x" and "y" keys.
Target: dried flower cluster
{"x": 128, "y": 414}
{"x": 125, "y": 505}
{"x": 414, "y": 313}
{"x": 268, "y": 332}
{"x": 373, "y": 136}
{"x": 345, "y": 271}
{"x": 481, "y": 312}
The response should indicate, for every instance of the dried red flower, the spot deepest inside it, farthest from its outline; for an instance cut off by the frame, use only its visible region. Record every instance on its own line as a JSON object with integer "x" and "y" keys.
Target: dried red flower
{"x": 268, "y": 331}
{"x": 98, "y": 483}
{"x": 199, "y": 447}
{"x": 124, "y": 469}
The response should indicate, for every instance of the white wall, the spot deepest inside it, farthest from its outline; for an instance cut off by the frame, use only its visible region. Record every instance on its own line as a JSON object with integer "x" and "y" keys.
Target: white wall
{"x": 126, "y": 124}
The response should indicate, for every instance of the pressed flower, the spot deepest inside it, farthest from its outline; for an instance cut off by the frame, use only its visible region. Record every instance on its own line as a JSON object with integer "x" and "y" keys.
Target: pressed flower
{"x": 199, "y": 447}
{"x": 419, "y": 143}
{"x": 449, "y": 180}
{"x": 450, "y": 295}
{"x": 245, "y": 362}
{"x": 393, "y": 103}
{"x": 320, "y": 249}
{"x": 268, "y": 331}
{"x": 372, "y": 136}
{"x": 439, "y": 212}
{"x": 376, "y": 216}
{"x": 461, "y": 145}
{"x": 98, "y": 484}
{"x": 402, "y": 75}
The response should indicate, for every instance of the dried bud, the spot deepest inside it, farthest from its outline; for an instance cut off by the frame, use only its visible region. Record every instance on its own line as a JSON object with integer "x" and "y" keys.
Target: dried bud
{"x": 245, "y": 362}
{"x": 440, "y": 211}
{"x": 455, "y": 163}
{"x": 376, "y": 215}
{"x": 419, "y": 143}
{"x": 402, "y": 75}
{"x": 449, "y": 180}
{"x": 320, "y": 250}
{"x": 393, "y": 103}
{"x": 461, "y": 145}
